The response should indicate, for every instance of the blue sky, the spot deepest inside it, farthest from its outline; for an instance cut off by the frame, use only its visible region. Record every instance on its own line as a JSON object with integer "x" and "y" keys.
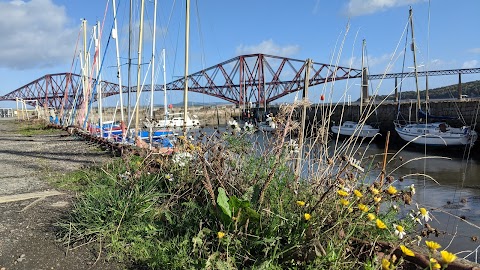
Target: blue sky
{"x": 39, "y": 36}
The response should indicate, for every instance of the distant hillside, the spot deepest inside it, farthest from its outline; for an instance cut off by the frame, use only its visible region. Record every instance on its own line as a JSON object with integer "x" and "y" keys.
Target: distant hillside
{"x": 471, "y": 89}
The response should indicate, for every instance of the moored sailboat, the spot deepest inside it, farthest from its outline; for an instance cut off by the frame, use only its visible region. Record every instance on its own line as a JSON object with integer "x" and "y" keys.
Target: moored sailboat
{"x": 434, "y": 133}
{"x": 351, "y": 128}
{"x": 358, "y": 129}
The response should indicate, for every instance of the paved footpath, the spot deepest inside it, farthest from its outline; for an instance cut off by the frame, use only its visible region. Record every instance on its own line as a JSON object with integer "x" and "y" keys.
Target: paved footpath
{"x": 29, "y": 205}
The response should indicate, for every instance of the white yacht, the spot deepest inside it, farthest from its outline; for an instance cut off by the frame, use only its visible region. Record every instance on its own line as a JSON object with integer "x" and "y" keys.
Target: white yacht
{"x": 436, "y": 134}
{"x": 177, "y": 121}
{"x": 350, "y": 128}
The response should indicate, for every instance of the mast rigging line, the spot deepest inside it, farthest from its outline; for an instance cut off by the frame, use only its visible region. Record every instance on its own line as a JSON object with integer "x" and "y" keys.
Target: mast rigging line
{"x": 101, "y": 64}
{"x": 65, "y": 97}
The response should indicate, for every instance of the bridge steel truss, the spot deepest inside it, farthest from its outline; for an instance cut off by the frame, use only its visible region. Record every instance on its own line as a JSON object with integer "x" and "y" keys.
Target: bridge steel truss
{"x": 256, "y": 79}
{"x": 259, "y": 78}
{"x": 48, "y": 91}
{"x": 425, "y": 73}
{"x": 57, "y": 91}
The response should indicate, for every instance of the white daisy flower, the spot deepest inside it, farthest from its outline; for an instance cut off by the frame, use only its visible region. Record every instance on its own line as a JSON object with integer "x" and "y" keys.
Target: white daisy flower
{"x": 399, "y": 231}
{"x": 415, "y": 218}
{"x": 234, "y": 125}
{"x": 412, "y": 189}
{"x": 181, "y": 159}
{"x": 424, "y": 214}
{"x": 169, "y": 177}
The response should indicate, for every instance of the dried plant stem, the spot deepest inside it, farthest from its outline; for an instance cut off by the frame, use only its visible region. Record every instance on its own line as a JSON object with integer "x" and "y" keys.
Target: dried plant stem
{"x": 382, "y": 174}
{"x": 207, "y": 184}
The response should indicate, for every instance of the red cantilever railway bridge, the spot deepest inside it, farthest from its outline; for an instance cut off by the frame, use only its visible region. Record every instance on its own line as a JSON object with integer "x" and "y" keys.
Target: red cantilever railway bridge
{"x": 255, "y": 78}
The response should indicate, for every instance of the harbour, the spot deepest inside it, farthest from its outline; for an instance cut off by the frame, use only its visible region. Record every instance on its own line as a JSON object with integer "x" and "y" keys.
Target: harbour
{"x": 267, "y": 147}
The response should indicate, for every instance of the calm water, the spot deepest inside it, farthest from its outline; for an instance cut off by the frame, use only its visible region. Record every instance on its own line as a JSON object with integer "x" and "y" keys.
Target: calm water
{"x": 454, "y": 192}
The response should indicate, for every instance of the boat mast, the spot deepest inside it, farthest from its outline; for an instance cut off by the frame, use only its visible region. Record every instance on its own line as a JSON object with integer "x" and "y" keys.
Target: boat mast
{"x": 152, "y": 86}
{"x": 415, "y": 64}
{"x": 130, "y": 33}
{"x": 187, "y": 35}
{"x": 84, "y": 100}
{"x": 99, "y": 85}
{"x": 139, "y": 67}
{"x": 115, "y": 36}
{"x": 152, "y": 82}
{"x": 84, "y": 68}
{"x": 165, "y": 106}
{"x": 363, "y": 80}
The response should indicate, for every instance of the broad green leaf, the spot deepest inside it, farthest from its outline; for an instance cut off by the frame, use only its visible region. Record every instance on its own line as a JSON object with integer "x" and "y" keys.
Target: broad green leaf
{"x": 222, "y": 201}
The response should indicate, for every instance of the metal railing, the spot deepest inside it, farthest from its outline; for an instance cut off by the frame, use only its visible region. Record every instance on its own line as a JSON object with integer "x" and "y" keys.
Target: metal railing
{"x": 6, "y": 112}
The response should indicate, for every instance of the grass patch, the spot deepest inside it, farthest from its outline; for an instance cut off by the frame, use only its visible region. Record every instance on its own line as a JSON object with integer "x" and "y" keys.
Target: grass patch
{"x": 32, "y": 128}
{"x": 74, "y": 181}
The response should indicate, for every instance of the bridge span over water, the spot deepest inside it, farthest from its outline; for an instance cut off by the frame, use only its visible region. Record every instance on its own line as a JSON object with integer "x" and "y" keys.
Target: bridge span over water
{"x": 255, "y": 78}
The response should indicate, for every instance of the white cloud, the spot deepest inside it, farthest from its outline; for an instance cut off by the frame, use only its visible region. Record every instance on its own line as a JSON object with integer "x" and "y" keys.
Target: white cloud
{"x": 470, "y": 64}
{"x": 268, "y": 47}
{"x": 34, "y": 34}
{"x": 438, "y": 64}
{"x": 474, "y": 50}
{"x": 316, "y": 7}
{"x": 365, "y": 7}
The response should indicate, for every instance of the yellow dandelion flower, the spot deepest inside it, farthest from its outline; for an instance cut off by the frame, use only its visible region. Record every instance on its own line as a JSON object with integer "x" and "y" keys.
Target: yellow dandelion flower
{"x": 447, "y": 257}
{"x": 371, "y": 216}
{"x": 344, "y": 202}
{"x": 363, "y": 207}
{"x": 392, "y": 190}
{"x": 300, "y": 203}
{"x": 434, "y": 264}
{"x": 380, "y": 224}
{"x": 385, "y": 264}
{"x": 220, "y": 235}
{"x": 342, "y": 192}
{"x": 432, "y": 245}
{"x": 374, "y": 191}
{"x": 377, "y": 199}
{"x": 307, "y": 216}
{"x": 358, "y": 193}
{"x": 407, "y": 251}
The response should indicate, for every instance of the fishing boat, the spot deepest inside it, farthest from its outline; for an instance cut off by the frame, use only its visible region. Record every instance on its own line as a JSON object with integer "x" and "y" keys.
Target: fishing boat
{"x": 435, "y": 133}
{"x": 351, "y": 128}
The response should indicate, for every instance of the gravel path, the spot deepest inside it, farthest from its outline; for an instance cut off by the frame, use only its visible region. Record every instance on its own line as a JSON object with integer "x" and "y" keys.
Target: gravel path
{"x": 26, "y": 235}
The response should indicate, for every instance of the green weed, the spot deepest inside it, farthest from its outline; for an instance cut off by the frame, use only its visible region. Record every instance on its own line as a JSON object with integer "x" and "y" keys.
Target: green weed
{"x": 215, "y": 204}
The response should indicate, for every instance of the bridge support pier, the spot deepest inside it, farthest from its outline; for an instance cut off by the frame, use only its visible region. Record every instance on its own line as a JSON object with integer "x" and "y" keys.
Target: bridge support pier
{"x": 460, "y": 86}
{"x": 396, "y": 89}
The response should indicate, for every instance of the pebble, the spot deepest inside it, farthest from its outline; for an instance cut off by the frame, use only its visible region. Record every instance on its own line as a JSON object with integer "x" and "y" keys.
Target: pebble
{"x": 60, "y": 204}
{"x": 21, "y": 258}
